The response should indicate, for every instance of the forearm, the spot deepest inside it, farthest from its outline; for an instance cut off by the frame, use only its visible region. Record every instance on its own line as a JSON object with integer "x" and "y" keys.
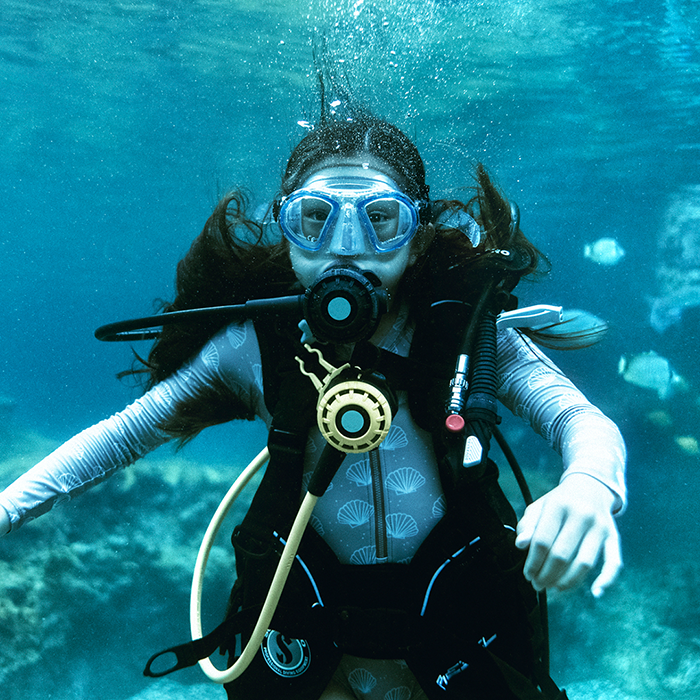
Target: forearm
{"x": 535, "y": 389}
{"x": 226, "y": 364}
{"x": 590, "y": 443}
{"x": 87, "y": 459}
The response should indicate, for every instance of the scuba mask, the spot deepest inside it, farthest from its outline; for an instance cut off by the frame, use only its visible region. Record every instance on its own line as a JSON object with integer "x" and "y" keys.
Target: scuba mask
{"x": 348, "y": 210}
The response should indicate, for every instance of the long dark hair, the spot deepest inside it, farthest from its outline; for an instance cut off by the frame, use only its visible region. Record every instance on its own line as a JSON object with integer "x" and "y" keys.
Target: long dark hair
{"x": 232, "y": 260}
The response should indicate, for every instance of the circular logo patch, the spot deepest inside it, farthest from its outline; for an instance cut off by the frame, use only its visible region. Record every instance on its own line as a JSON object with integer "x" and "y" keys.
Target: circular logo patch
{"x": 286, "y": 656}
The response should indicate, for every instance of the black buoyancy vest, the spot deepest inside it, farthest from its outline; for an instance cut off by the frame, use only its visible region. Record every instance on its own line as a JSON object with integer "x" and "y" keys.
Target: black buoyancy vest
{"x": 460, "y": 614}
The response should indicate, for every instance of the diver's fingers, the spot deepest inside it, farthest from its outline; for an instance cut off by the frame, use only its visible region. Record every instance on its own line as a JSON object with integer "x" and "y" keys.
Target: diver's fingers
{"x": 605, "y": 539}
{"x": 527, "y": 524}
{"x": 549, "y": 524}
{"x": 583, "y": 561}
{"x": 612, "y": 563}
{"x": 571, "y": 555}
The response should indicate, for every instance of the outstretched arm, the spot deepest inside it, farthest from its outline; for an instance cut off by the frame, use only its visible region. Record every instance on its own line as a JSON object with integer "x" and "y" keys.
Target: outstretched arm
{"x": 226, "y": 364}
{"x": 86, "y": 459}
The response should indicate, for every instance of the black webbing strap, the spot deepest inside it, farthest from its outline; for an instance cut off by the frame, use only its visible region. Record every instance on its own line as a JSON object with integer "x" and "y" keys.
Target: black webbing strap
{"x": 190, "y": 653}
{"x": 523, "y": 688}
{"x": 276, "y": 500}
{"x": 399, "y": 371}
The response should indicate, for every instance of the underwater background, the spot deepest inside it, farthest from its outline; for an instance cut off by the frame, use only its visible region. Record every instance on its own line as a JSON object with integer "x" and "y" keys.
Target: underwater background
{"x": 121, "y": 125}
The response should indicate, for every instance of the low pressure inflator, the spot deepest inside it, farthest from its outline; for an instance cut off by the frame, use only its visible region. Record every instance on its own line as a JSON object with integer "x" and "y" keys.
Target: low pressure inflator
{"x": 529, "y": 317}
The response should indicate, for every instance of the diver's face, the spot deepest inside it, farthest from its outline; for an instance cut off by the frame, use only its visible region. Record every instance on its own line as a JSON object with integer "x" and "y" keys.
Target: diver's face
{"x": 333, "y": 226}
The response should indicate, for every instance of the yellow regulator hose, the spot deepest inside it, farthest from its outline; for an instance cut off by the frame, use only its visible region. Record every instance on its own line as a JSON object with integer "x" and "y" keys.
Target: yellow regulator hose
{"x": 283, "y": 568}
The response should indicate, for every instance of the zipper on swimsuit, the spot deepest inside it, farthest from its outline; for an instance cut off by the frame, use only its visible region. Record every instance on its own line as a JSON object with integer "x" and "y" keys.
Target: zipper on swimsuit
{"x": 379, "y": 507}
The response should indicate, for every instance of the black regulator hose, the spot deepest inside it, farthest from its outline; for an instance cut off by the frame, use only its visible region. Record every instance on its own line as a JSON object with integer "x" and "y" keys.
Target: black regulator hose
{"x": 343, "y": 305}
{"x": 146, "y": 328}
{"x": 484, "y": 379}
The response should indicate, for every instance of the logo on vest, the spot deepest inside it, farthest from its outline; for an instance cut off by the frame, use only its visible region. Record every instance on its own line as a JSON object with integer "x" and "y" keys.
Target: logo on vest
{"x": 286, "y": 656}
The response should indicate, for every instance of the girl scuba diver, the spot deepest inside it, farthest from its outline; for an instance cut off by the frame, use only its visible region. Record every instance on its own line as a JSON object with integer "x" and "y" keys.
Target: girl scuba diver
{"x": 414, "y": 578}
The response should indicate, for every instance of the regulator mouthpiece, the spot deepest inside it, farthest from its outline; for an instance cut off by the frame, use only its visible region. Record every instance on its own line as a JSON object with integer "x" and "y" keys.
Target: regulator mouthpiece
{"x": 344, "y": 305}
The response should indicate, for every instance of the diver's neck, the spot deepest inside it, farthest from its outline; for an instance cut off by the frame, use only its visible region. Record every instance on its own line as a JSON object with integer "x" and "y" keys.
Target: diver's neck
{"x": 385, "y": 326}
{"x": 389, "y": 324}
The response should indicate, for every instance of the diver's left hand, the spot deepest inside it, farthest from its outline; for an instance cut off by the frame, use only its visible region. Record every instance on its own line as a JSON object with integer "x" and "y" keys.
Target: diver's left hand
{"x": 567, "y": 530}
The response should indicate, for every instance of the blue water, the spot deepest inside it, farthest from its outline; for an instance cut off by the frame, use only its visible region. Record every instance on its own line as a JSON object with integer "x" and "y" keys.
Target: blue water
{"x": 122, "y": 123}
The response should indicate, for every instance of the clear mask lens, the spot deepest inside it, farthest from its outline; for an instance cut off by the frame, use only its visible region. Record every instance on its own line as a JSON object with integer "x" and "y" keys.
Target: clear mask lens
{"x": 309, "y": 218}
{"x": 392, "y": 220}
{"x": 388, "y": 220}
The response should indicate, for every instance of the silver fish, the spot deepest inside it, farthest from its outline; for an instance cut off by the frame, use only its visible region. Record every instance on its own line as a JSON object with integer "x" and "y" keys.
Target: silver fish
{"x": 649, "y": 370}
{"x": 604, "y": 251}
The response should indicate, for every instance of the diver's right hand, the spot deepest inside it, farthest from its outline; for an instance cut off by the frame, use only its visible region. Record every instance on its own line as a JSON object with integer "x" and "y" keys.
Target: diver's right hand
{"x": 4, "y": 522}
